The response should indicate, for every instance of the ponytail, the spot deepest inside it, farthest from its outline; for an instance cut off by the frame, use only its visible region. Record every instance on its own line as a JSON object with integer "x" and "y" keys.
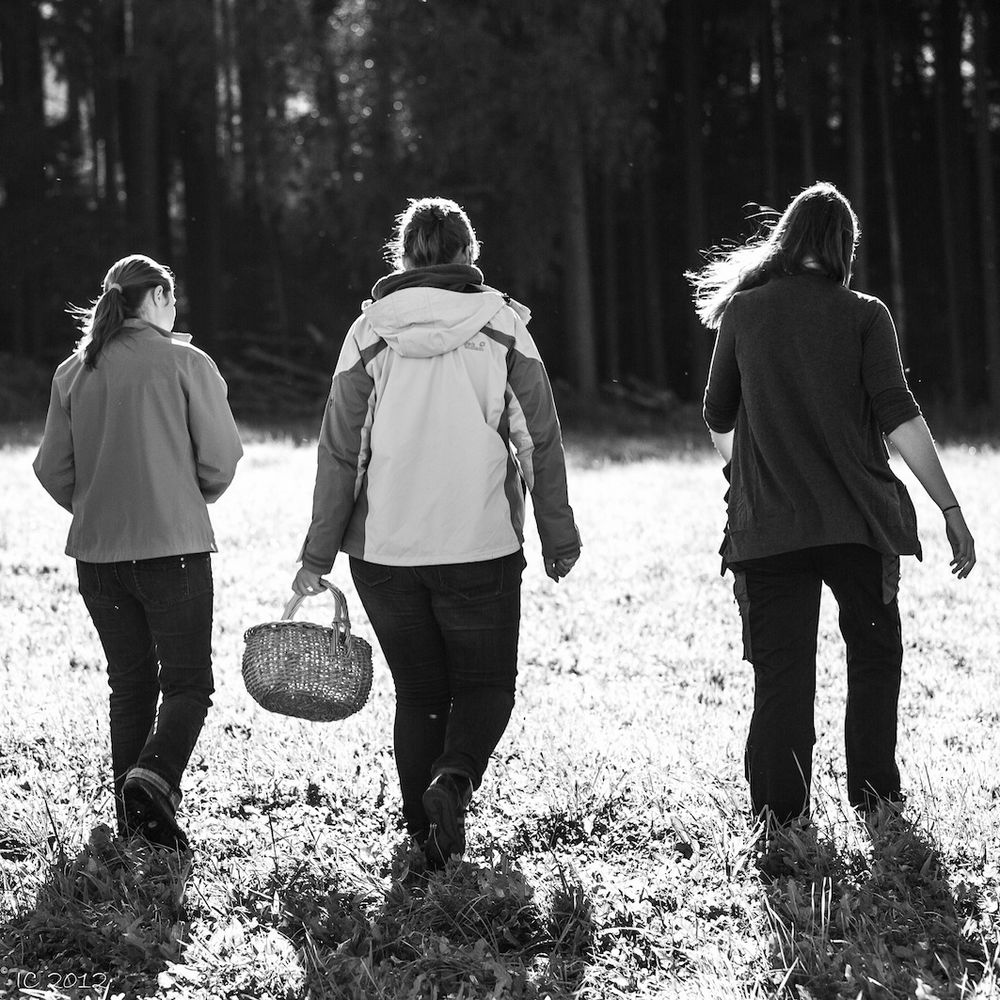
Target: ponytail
{"x": 124, "y": 289}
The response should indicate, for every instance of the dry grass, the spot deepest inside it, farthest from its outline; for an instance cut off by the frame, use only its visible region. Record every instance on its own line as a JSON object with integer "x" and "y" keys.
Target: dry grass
{"x": 610, "y": 852}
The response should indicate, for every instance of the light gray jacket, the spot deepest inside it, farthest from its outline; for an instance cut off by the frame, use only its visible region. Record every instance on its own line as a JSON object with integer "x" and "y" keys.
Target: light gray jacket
{"x": 137, "y": 446}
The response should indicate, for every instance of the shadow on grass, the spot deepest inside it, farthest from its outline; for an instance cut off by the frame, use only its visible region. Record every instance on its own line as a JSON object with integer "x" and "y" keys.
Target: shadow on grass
{"x": 471, "y": 930}
{"x": 108, "y": 921}
{"x": 878, "y": 921}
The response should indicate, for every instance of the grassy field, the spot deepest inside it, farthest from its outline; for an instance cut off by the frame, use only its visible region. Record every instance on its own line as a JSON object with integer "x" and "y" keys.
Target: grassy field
{"x": 610, "y": 854}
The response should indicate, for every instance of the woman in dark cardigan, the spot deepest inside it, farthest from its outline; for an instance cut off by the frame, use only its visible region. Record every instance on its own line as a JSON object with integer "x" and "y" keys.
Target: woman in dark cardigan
{"x": 805, "y": 383}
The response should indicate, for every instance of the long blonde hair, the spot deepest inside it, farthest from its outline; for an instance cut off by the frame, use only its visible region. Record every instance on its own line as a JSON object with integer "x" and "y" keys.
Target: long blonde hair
{"x": 819, "y": 224}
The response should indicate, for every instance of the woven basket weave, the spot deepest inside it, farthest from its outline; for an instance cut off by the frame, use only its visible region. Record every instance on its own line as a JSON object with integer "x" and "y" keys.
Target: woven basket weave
{"x": 315, "y": 672}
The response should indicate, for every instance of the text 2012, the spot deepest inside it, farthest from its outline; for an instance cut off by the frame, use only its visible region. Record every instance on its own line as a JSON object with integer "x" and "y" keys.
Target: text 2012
{"x": 45, "y": 980}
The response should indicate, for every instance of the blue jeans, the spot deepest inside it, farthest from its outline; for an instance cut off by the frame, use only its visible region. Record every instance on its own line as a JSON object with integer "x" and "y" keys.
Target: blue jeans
{"x": 779, "y": 599}
{"x": 449, "y": 634}
{"x": 154, "y": 619}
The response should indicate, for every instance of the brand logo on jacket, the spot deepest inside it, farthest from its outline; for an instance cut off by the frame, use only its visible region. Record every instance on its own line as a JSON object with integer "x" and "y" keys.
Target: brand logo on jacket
{"x": 475, "y": 345}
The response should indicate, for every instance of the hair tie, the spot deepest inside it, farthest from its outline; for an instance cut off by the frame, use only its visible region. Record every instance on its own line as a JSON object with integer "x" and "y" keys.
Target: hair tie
{"x": 115, "y": 286}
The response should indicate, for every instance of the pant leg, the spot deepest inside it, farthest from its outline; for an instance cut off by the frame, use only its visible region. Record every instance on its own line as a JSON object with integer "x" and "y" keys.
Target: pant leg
{"x": 121, "y": 625}
{"x": 176, "y": 593}
{"x": 779, "y": 598}
{"x": 398, "y": 605}
{"x": 871, "y": 629}
{"x": 478, "y": 608}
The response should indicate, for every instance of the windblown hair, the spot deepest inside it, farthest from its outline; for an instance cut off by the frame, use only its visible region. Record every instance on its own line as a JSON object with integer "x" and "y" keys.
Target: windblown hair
{"x": 123, "y": 290}
{"x": 819, "y": 224}
{"x": 430, "y": 231}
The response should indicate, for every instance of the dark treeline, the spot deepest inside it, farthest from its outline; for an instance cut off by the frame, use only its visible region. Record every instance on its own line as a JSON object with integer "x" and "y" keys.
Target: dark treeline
{"x": 262, "y": 148}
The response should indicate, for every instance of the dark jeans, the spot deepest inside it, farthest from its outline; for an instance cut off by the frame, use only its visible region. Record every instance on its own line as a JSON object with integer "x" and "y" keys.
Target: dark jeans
{"x": 449, "y": 634}
{"x": 779, "y": 598}
{"x": 154, "y": 619}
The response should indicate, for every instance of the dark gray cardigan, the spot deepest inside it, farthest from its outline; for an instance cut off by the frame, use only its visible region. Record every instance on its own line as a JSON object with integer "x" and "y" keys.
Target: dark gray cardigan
{"x": 808, "y": 374}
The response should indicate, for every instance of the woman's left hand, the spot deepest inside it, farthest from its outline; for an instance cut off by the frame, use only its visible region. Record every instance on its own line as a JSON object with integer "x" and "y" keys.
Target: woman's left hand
{"x": 307, "y": 583}
{"x": 556, "y": 569}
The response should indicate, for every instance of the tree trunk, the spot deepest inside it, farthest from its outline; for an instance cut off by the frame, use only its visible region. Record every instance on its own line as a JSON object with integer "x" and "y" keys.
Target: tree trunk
{"x": 987, "y": 206}
{"x": 690, "y": 37}
{"x": 856, "y": 127}
{"x": 767, "y": 106}
{"x": 252, "y": 108}
{"x": 609, "y": 279}
{"x": 196, "y": 120}
{"x": 229, "y": 81}
{"x": 652, "y": 292}
{"x": 264, "y": 274}
{"x": 578, "y": 286}
{"x": 382, "y": 134}
{"x": 808, "y": 144}
{"x": 949, "y": 114}
{"x": 24, "y": 170}
{"x": 140, "y": 131}
{"x": 108, "y": 93}
{"x": 882, "y": 58}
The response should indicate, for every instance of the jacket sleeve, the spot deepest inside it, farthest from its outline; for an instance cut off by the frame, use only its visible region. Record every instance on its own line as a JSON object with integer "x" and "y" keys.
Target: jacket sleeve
{"x": 54, "y": 464}
{"x": 342, "y": 454}
{"x": 216, "y": 441}
{"x": 723, "y": 391}
{"x": 537, "y": 439}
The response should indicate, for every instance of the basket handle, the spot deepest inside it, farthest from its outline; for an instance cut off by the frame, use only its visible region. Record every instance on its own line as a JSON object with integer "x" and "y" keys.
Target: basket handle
{"x": 341, "y": 617}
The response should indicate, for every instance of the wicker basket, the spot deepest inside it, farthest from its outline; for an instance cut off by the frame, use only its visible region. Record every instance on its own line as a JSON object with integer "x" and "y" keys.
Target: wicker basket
{"x": 308, "y": 671}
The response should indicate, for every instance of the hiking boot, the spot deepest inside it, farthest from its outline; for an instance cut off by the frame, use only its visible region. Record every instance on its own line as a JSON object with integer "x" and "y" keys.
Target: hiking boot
{"x": 150, "y": 814}
{"x": 445, "y": 802}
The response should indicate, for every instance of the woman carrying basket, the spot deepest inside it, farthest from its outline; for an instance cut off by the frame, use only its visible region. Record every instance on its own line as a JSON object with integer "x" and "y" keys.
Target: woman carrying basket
{"x": 438, "y": 385}
{"x": 805, "y": 381}
{"x": 138, "y": 439}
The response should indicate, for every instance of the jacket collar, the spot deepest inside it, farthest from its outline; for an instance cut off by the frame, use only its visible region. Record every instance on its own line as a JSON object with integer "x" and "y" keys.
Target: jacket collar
{"x": 452, "y": 277}
{"x": 137, "y": 323}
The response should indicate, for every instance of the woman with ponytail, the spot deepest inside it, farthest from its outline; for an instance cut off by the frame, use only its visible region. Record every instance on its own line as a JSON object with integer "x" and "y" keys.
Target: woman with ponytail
{"x": 805, "y": 384}
{"x": 439, "y": 417}
{"x": 138, "y": 439}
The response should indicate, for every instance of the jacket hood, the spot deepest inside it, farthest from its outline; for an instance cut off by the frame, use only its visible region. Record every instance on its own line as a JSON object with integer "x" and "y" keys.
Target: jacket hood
{"x": 424, "y": 312}
{"x": 424, "y": 322}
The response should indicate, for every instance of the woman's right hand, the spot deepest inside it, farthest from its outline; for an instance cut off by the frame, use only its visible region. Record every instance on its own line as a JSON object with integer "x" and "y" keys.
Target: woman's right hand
{"x": 963, "y": 545}
{"x": 307, "y": 583}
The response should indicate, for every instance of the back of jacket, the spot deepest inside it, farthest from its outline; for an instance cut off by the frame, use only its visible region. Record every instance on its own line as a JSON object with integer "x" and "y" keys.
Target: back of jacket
{"x": 440, "y": 414}
{"x": 135, "y": 447}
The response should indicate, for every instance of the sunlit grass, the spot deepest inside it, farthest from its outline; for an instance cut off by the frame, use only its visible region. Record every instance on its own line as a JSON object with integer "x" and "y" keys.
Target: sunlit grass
{"x": 610, "y": 853}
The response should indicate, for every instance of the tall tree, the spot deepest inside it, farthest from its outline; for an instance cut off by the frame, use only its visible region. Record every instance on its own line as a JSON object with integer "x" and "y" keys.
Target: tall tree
{"x": 691, "y": 40}
{"x": 652, "y": 288}
{"x": 987, "y": 202}
{"x": 141, "y": 128}
{"x": 578, "y": 285}
{"x": 949, "y": 115}
{"x": 769, "y": 145}
{"x": 883, "y": 59}
{"x": 610, "y": 338}
{"x": 195, "y": 115}
{"x": 855, "y": 125}
{"x": 23, "y": 143}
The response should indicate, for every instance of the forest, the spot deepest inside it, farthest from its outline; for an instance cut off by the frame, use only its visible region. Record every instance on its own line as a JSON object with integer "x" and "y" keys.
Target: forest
{"x": 262, "y": 148}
